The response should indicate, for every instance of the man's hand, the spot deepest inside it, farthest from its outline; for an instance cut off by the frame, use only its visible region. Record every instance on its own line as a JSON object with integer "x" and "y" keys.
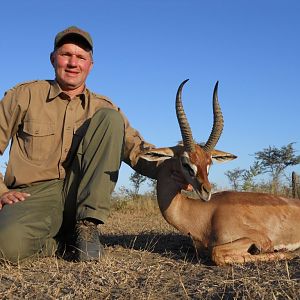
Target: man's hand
{"x": 12, "y": 197}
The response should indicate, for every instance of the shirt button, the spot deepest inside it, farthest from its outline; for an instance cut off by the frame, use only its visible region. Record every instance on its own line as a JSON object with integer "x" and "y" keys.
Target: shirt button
{"x": 66, "y": 150}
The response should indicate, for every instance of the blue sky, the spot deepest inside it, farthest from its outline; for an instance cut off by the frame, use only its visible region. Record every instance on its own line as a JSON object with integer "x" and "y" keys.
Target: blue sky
{"x": 145, "y": 48}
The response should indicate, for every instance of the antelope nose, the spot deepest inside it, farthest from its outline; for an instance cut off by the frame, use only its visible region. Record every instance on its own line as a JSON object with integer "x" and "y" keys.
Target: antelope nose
{"x": 206, "y": 192}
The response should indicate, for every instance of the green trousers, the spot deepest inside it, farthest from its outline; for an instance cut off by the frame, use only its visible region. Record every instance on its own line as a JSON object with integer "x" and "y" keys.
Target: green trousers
{"x": 30, "y": 227}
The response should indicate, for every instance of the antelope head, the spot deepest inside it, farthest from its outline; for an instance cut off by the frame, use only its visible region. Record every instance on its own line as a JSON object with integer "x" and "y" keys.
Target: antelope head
{"x": 195, "y": 159}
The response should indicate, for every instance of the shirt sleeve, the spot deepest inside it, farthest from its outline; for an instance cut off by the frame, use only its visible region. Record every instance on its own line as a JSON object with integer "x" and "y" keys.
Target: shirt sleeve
{"x": 12, "y": 107}
{"x": 134, "y": 146}
{"x": 3, "y": 187}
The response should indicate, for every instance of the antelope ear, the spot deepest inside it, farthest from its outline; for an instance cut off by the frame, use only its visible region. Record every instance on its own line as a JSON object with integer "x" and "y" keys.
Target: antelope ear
{"x": 221, "y": 156}
{"x": 157, "y": 154}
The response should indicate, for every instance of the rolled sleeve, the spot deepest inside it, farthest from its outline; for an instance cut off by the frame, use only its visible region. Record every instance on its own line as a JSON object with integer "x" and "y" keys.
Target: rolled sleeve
{"x": 134, "y": 146}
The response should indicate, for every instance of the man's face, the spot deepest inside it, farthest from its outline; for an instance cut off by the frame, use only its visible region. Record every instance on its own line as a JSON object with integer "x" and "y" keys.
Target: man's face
{"x": 72, "y": 64}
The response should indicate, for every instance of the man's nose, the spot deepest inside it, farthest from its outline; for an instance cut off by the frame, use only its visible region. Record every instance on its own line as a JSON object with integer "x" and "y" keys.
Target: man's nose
{"x": 73, "y": 61}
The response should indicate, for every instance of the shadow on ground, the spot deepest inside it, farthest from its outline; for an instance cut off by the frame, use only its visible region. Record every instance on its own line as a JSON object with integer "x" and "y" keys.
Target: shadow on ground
{"x": 170, "y": 245}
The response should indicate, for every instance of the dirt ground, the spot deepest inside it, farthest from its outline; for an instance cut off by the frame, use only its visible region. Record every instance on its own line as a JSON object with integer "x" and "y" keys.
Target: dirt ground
{"x": 147, "y": 259}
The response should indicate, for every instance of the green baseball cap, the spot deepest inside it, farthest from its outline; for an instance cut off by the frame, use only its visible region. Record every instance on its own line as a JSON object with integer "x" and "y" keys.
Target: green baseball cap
{"x": 73, "y": 32}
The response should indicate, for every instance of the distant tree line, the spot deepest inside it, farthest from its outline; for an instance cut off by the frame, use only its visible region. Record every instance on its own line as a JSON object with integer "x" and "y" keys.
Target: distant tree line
{"x": 272, "y": 161}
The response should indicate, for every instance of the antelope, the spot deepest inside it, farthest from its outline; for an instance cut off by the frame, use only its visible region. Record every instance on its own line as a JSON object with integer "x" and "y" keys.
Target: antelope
{"x": 230, "y": 227}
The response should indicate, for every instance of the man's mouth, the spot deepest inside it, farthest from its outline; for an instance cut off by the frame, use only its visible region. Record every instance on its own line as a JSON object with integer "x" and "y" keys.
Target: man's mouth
{"x": 71, "y": 72}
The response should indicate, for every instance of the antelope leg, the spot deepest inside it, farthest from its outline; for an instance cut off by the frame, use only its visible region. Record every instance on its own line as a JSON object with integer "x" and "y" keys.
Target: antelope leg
{"x": 244, "y": 250}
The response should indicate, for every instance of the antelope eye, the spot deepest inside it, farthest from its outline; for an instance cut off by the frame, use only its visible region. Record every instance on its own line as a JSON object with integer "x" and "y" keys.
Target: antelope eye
{"x": 188, "y": 166}
{"x": 190, "y": 170}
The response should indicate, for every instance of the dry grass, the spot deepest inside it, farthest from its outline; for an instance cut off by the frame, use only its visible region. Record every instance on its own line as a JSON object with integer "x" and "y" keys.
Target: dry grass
{"x": 147, "y": 259}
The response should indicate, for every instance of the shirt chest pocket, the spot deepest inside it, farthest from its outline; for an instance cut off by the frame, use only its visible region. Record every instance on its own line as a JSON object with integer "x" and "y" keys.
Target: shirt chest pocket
{"x": 38, "y": 140}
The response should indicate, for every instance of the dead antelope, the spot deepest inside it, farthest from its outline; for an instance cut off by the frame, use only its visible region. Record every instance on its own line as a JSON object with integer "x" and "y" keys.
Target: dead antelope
{"x": 230, "y": 227}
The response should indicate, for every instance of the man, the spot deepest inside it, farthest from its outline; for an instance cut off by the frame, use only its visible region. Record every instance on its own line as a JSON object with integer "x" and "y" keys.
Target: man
{"x": 67, "y": 144}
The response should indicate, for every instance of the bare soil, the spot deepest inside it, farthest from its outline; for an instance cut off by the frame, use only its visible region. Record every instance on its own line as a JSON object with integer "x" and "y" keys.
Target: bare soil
{"x": 147, "y": 259}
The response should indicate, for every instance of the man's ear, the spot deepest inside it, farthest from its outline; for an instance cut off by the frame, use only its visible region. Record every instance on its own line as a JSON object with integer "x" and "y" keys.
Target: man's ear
{"x": 52, "y": 58}
{"x": 91, "y": 66}
{"x": 221, "y": 156}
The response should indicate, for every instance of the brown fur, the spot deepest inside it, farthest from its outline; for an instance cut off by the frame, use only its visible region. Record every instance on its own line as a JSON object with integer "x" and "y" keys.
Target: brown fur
{"x": 233, "y": 227}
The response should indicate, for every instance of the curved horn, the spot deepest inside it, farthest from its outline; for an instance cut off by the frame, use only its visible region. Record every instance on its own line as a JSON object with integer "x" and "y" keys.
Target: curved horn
{"x": 218, "y": 123}
{"x": 185, "y": 129}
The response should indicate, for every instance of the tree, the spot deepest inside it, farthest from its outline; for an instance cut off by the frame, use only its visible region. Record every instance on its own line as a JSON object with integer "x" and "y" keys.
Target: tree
{"x": 249, "y": 175}
{"x": 275, "y": 160}
{"x": 152, "y": 183}
{"x": 136, "y": 179}
{"x": 235, "y": 176}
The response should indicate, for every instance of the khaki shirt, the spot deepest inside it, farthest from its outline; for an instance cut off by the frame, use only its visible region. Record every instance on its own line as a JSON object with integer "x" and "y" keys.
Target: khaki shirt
{"x": 45, "y": 128}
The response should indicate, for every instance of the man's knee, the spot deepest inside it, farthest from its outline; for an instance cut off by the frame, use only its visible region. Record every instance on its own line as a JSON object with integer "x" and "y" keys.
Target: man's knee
{"x": 13, "y": 247}
{"x": 111, "y": 117}
{"x": 18, "y": 241}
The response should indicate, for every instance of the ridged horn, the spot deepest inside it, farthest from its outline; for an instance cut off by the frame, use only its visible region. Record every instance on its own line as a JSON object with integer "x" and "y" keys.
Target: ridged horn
{"x": 186, "y": 132}
{"x": 218, "y": 123}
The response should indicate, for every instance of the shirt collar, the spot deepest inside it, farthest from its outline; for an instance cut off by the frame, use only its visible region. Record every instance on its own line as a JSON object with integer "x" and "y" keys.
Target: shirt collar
{"x": 55, "y": 91}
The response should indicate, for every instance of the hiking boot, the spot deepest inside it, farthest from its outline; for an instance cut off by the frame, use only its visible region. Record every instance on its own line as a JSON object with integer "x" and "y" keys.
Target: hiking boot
{"x": 87, "y": 244}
